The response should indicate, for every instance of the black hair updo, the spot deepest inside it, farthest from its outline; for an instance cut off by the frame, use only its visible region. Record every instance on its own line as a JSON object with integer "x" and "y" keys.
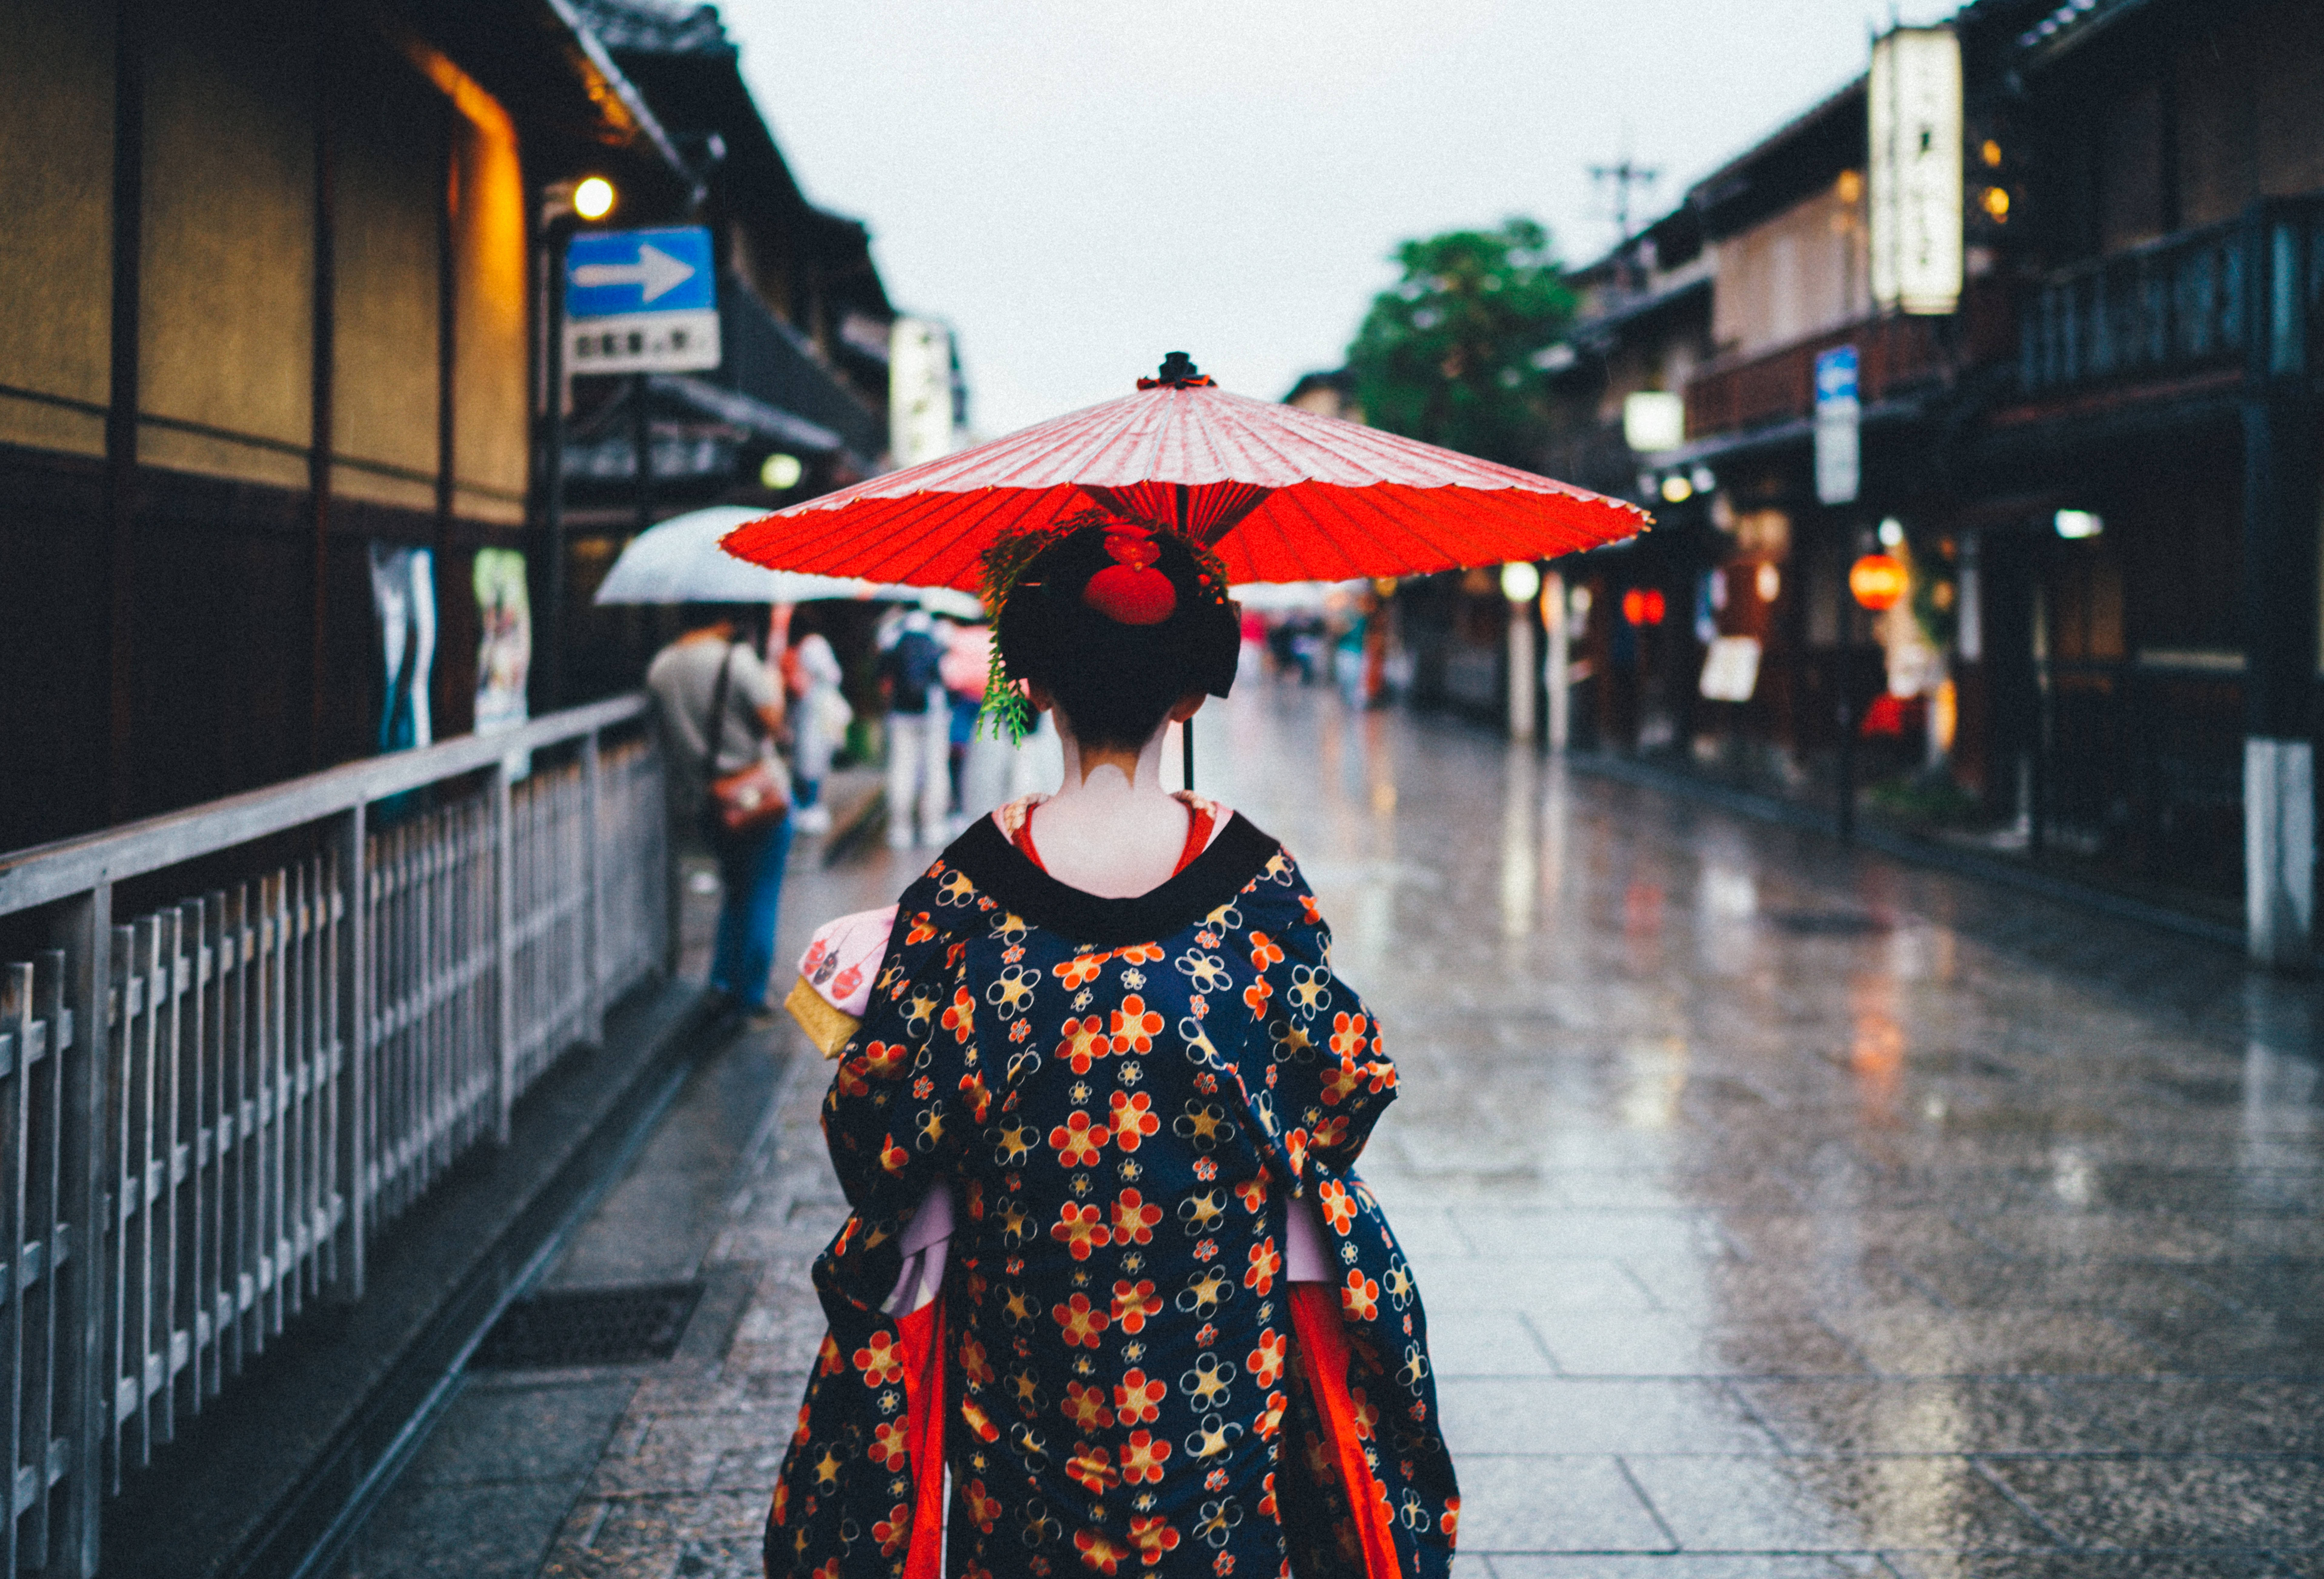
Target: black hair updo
{"x": 1114, "y": 680}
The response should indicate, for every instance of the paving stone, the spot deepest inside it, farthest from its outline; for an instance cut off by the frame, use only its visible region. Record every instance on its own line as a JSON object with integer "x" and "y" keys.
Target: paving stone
{"x": 1660, "y": 1343}
{"x": 1947, "y": 1414}
{"x": 1908, "y": 1343}
{"x": 482, "y": 1531}
{"x": 1837, "y": 1504}
{"x": 1572, "y": 1414}
{"x": 2087, "y": 1566}
{"x": 1546, "y": 1504}
{"x": 2171, "y": 1414}
{"x": 1467, "y": 1341}
{"x": 1692, "y": 1566}
{"x": 506, "y": 1430}
{"x": 2155, "y": 1502}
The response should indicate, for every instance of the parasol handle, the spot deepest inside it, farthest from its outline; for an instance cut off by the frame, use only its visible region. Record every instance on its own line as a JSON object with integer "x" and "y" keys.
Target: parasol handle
{"x": 1186, "y": 751}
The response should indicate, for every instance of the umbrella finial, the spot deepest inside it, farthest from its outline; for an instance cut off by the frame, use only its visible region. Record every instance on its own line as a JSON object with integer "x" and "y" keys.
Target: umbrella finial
{"x": 1178, "y": 372}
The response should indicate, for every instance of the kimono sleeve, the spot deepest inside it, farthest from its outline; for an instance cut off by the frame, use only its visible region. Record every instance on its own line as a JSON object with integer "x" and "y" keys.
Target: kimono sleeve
{"x": 909, "y": 1084}
{"x": 1333, "y": 1079}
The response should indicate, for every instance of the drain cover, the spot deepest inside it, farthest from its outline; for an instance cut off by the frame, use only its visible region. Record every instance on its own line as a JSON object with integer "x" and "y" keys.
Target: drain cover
{"x": 590, "y": 1326}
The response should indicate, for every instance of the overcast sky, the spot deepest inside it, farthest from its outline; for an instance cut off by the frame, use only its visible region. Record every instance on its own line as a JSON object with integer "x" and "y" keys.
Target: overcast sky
{"x": 1078, "y": 186}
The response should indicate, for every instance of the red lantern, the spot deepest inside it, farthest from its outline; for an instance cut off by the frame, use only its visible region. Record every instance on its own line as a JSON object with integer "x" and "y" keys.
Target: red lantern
{"x": 1643, "y": 605}
{"x": 1877, "y": 581}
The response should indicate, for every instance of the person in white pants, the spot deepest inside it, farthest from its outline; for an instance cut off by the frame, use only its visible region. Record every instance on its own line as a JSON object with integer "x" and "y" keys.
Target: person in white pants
{"x": 919, "y": 746}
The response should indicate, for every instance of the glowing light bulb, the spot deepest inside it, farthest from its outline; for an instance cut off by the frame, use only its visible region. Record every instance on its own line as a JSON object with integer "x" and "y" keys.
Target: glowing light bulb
{"x": 593, "y": 198}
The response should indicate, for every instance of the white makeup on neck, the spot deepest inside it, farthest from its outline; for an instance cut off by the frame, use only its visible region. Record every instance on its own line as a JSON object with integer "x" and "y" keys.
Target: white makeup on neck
{"x": 1111, "y": 829}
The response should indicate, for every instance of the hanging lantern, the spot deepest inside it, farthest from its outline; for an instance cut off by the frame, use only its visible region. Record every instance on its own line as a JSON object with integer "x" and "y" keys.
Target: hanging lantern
{"x": 1877, "y": 581}
{"x": 1643, "y": 605}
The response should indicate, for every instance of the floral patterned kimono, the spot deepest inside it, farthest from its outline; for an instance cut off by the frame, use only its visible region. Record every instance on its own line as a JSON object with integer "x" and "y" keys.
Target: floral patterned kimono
{"x": 1119, "y": 1100}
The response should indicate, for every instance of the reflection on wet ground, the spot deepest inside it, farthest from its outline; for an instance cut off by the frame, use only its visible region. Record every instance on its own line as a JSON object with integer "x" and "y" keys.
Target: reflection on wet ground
{"x": 1778, "y": 1212}
{"x": 1781, "y": 1211}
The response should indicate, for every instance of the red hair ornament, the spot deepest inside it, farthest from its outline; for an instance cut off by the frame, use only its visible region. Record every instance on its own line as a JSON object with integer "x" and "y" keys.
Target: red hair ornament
{"x": 1130, "y": 591}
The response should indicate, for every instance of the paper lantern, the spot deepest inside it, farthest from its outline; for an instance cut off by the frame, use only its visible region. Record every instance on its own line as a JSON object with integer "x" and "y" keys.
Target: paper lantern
{"x": 1877, "y": 581}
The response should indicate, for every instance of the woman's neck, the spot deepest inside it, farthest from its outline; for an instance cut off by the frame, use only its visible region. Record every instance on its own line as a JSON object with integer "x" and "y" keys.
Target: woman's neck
{"x": 1111, "y": 830}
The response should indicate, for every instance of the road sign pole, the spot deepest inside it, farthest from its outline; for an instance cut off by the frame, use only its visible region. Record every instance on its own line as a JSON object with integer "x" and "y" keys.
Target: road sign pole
{"x": 642, "y": 443}
{"x": 550, "y": 616}
{"x": 1845, "y": 706}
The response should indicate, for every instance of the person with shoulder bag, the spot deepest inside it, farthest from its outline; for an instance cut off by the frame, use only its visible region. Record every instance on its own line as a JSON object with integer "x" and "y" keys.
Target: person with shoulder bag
{"x": 721, "y": 715}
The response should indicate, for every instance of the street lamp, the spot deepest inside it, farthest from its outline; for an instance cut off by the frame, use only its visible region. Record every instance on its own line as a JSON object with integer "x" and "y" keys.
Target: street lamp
{"x": 593, "y": 197}
{"x": 563, "y": 209}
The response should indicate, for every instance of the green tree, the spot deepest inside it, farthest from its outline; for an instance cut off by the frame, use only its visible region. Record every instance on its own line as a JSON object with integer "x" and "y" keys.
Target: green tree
{"x": 1445, "y": 356}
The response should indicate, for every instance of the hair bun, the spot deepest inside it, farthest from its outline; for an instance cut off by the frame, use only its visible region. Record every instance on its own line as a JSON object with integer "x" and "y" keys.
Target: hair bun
{"x": 1131, "y": 595}
{"x": 1130, "y": 591}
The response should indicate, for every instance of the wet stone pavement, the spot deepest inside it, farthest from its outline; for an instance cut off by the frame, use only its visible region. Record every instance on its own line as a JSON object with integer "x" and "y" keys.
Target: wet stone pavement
{"x": 1778, "y": 1211}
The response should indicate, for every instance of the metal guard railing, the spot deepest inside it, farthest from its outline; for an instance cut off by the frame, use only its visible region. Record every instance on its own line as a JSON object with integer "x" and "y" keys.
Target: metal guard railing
{"x": 287, "y": 1061}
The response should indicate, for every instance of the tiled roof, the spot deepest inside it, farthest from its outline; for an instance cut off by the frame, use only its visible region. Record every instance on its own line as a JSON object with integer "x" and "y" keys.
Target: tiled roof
{"x": 659, "y": 27}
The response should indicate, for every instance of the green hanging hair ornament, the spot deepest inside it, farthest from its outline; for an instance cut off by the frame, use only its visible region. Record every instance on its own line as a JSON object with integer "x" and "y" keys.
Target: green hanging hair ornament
{"x": 1006, "y": 707}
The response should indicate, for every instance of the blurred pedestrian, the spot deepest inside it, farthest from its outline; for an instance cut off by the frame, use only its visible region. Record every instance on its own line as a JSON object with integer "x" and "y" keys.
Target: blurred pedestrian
{"x": 920, "y": 780}
{"x": 823, "y": 717}
{"x": 720, "y": 713}
{"x": 967, "y": 658}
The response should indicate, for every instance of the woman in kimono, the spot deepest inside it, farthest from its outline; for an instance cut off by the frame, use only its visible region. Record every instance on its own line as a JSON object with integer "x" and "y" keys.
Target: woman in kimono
{"x": 1109, "y": 1263}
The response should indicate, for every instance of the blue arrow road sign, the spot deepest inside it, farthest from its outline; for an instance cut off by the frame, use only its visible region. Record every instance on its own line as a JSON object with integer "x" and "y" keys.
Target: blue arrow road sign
{"x": 1835, "y": 376}
{"x": 1839, "y": 460}
{"x": 616, "y": 273}
{"x": 641, "y": 301}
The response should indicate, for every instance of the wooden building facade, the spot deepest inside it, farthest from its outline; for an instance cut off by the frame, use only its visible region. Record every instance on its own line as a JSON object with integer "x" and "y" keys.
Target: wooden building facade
{"x": 2131, "y": 685}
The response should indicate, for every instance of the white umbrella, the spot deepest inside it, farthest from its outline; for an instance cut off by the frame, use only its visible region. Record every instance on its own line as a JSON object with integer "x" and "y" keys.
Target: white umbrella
{"x": 949, "y": 601}
{"x": 1291, "y": 597}
{"x": 679, "y": 562}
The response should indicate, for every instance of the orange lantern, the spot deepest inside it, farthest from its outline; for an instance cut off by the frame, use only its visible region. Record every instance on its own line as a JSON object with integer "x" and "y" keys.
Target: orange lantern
{"x": 1877, "y": 581}
{"x": 1643, "y": 605}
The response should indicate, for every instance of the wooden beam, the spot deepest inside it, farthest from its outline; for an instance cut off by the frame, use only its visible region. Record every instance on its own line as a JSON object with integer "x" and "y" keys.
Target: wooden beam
{"x": 323, "y": 369}
{"x": 121, "y": 408}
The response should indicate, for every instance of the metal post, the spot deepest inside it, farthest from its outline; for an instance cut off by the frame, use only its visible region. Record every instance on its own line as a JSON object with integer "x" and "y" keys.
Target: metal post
{"x": 1521, "y": 670}
{"x": 592, "y": 873}
{"x": 1561, "y": 679}
{"x": 16, "y": 1131}
{"x": 85, "y": 933}
{"x": 2280, "y": 489}
{"x": 1844, "y": 705}
{"x": 504, "y": 837}
{"x": 641, "y": 444}
{"x": 552, "y": 493}
{"x": 355, "y": 1032}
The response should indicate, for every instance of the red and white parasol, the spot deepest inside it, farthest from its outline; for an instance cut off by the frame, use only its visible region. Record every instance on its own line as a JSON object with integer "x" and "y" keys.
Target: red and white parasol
{"x": 1279, "y": 494}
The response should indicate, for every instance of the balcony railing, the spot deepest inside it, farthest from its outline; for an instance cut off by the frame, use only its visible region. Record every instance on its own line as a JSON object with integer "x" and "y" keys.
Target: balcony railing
{"x": 1742, "y": 393}
{"x": 2198, "y": 302}
{"x": 210, "y": 1108}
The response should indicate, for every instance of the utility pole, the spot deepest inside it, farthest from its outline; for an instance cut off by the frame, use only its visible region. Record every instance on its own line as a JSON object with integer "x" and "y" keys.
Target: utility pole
{"x": 1624, "y": 176}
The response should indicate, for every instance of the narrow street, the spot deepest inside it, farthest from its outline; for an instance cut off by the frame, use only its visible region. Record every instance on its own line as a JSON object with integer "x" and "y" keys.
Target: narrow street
{"x": 1779, "y": 1211}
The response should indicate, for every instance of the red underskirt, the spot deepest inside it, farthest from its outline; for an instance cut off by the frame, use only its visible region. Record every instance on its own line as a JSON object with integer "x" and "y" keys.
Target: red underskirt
{"x": 1324, "y": 1348}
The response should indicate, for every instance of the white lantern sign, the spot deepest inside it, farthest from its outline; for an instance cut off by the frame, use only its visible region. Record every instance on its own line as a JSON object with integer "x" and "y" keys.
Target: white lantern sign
{"x": 1914, "y": 107}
